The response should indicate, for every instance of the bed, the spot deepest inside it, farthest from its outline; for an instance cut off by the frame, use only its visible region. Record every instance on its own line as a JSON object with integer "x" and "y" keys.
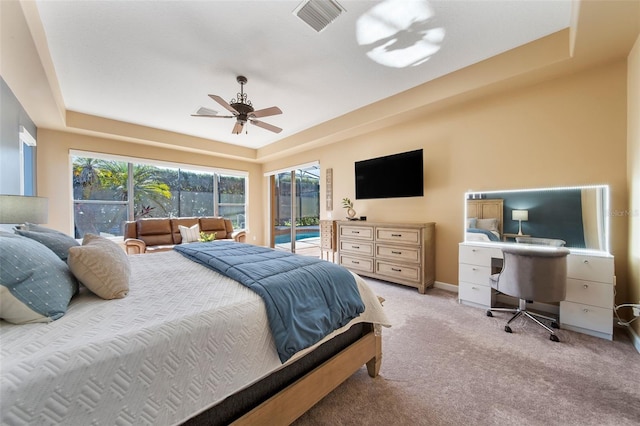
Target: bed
{"x": 185, "y": 345}
{"x": 484, "y": 220}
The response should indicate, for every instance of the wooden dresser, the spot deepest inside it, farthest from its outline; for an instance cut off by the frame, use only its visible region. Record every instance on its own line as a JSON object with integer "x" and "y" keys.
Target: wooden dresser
{"x": 403, "y": 253}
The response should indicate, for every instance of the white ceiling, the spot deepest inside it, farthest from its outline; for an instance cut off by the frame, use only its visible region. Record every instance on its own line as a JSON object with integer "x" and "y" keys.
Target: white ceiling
{"x": 153, "y": 63}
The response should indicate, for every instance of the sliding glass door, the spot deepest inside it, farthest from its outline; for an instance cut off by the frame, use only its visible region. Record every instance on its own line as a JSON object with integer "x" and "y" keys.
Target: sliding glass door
{"x": 295, "y": 201}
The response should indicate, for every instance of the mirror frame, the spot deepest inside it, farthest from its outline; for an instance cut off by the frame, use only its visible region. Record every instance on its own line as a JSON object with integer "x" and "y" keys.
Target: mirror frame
{"x": 602, "y": 213}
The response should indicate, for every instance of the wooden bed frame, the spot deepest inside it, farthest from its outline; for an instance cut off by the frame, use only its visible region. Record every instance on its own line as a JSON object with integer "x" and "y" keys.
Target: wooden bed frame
{"x": 487, "y": 209}
{"x": 294, "y": 400}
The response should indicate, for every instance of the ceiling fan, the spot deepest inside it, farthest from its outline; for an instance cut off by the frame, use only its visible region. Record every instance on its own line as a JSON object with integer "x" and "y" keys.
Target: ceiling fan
{"x": 242, "y": 110}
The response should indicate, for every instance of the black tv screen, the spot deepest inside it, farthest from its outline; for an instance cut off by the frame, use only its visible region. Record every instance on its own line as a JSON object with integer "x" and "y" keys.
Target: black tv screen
{"x": 392, "y": 176}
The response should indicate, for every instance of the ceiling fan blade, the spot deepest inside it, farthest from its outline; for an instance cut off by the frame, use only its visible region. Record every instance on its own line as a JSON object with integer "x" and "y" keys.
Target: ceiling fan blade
{"x": 267, "y": 126}
{"x": 206, "y": 111}
{"x": 213, "y": 116}
{"x": 237, "y": 129}
{"x": 274, "y": 110}
{"x": 224, "y": 103}
{"x": 209, "y": 113}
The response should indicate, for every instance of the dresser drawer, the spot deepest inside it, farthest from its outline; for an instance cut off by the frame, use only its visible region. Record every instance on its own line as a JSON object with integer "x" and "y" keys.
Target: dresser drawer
{"x": 405, "y": 254}
{"x": 357, "y": 263}
{"x": 357, "y": 247}
{"x": 476, "y": 294}
{"x": 474, "y": 274}
{"x": 585, "y": 316}
{"x": 398, "y": 235}
{"x": 359, "y": 232}
{"x": 589, "y": 293}
{"x": 394, "y": 270}
{"x": 590, "y": 268}
{"x": 476, "y": 255}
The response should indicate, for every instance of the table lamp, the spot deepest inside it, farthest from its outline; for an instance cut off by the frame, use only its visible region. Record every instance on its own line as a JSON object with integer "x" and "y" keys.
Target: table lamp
{"x": 20, "y": 209}
{"x": 520, "y": 215}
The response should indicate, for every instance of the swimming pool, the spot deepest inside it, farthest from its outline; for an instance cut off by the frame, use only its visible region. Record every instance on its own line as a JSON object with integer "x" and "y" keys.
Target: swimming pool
{"x": 301, "y": 234}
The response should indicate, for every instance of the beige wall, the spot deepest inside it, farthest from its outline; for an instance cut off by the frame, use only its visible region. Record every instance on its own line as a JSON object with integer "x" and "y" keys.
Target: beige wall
{"x": 54, "y": 173}
{"x": 633, "y": 173}
{"x": 569, "y": 131}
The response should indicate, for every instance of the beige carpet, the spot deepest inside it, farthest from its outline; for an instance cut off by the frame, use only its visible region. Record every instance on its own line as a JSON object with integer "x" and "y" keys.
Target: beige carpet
{"x": 449, "y": 364}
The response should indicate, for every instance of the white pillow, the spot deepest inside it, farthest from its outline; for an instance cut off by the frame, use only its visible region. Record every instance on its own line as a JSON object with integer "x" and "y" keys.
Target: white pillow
{"x": 189, "y": 235}
{"x": 488, "y": 224}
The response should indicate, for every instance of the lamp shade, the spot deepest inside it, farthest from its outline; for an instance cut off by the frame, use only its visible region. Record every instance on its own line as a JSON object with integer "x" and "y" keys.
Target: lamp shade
{"x": 20, "y": 209}
{"x": 520, "y": 215}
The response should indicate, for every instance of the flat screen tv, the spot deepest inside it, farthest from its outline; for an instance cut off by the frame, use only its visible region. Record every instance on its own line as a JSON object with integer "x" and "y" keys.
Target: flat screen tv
{"x": 392, "y": 176}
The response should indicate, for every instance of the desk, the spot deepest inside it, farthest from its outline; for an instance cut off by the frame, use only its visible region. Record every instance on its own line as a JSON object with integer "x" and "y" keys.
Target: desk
{"x": 587, "y": 308}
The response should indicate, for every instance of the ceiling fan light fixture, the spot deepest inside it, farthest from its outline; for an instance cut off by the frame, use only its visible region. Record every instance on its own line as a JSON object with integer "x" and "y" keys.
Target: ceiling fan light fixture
{"x": 318, "y": 13}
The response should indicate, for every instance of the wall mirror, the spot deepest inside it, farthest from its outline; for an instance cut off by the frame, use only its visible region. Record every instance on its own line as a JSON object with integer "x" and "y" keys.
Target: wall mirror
{"x": 574, "y": 217}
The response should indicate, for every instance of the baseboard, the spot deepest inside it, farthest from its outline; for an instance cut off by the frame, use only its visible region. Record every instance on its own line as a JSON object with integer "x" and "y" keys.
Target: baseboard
{"x": 446, "y": 286}
{"x": 635, "y": 338}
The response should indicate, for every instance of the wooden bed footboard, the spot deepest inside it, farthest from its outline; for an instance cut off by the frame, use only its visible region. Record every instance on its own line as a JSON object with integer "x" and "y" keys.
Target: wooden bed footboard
{"x": 293, "y": 401}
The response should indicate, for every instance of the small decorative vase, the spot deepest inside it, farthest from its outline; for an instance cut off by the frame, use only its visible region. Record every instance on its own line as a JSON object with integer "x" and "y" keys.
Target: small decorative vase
{"x": 351, "y": 213}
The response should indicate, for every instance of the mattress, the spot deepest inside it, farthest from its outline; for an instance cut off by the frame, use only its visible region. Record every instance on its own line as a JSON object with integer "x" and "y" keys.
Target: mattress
{"x": 182, "y": 340}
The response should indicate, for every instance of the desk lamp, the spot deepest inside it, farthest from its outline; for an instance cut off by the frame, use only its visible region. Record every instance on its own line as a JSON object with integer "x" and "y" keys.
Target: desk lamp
{"x": 520, "y": 215}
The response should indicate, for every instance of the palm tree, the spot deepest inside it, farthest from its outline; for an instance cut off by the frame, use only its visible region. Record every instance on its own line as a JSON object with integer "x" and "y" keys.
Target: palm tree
{"x": 108, "y": 180}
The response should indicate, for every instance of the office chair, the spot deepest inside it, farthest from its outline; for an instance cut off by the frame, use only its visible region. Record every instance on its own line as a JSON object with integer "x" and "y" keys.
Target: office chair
{"x": 532, "y": 274}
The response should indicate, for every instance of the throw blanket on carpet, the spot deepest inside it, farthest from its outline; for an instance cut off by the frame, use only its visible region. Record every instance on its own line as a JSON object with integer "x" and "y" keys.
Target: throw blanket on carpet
{"x": 306, "y": 298}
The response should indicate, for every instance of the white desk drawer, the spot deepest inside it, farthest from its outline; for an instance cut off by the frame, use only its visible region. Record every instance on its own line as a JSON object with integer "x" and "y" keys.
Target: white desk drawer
{"x": 405, "y": 254}
{"x": 357, "y": 263}
{"x": 589, "y": 293}
{"x": 359, "y": 232}
{"x": 474, "y": 274}
{"x": 590, "y": 268}
{"x": 398, "y": 235}
{"x": 476, "y": 255}
{"x": 585, "y": 316}
{"x": 356, "y": 247}
{"x": 404, "y": 272}
{"x": 474, "y": 293}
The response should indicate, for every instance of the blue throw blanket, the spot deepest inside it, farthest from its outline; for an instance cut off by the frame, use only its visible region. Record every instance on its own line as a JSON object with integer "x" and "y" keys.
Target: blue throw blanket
{"x": 306, "y": 298}
{"x": 489, "y": 234}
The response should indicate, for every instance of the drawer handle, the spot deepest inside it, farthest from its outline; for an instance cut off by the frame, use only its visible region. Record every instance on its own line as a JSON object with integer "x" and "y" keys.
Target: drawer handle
{"x": 396, "y": 252}
{"x": 473, "y": 250}
{"x": 474, "y": 288}
{"x": 474, "y": 269}
{"x": 585, "y": 311}
{"x": 585, "y": 261}
{"x": 355, "y": 262}
{"x": 396, "y": 270}
{"x": 355, "y": 232}
{"x": 396, "y": 235}
{"x": 355, "y": 247}
{"x": 585, "y": 286}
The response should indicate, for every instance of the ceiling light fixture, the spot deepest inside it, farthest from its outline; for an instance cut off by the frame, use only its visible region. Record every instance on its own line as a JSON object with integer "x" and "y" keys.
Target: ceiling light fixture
{"x": 318, "y": 13}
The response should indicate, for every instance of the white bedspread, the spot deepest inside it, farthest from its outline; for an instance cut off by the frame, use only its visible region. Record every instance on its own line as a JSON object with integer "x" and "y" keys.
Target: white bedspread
{"x": 182, "y": 340}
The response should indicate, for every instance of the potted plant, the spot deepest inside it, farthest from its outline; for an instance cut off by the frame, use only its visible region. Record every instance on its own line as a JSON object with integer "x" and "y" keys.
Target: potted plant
{"x": 348, "y": 204}
{"x": 205, "y": 238}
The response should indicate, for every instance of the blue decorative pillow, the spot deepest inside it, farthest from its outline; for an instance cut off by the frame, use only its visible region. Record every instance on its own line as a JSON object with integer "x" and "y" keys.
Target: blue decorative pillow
{"x": 35, "y": 284}
{"x": 58, "y": 242}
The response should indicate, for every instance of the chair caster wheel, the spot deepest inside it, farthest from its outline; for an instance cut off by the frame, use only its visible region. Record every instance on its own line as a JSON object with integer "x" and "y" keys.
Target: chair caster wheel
{"x": 489, "y": 313}
{"x": 554, "y": 338}
{"x": 507, "y": 329}
{"x": 555, "y": 325}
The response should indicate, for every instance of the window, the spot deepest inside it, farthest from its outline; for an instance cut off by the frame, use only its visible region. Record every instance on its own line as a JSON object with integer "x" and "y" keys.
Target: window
{"x": 107, "y": 191}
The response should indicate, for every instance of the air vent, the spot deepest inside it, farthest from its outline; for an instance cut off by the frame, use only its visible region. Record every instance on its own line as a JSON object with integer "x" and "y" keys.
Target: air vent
{"x": 318, "y": 13}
